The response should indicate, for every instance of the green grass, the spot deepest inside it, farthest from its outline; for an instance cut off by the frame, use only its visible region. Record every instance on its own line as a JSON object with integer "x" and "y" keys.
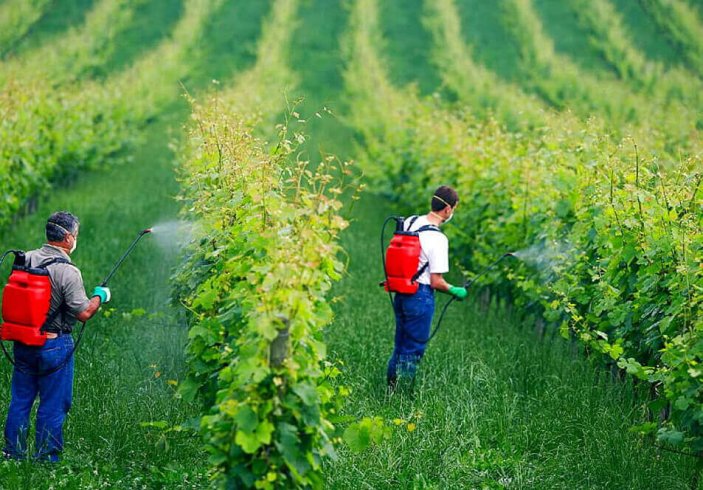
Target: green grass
{"x": 493, "y": 404}
{"x": 562, "y": 26}
{"x": 55, "y": 21}
{"x": 152, "y": 22}
{"x": 645, "y": 35}
{"x": 315, "y": 56}
{"x": 490, "y": 43}
{"x": 408, "y": 45}
{"x": 229, "y": 43}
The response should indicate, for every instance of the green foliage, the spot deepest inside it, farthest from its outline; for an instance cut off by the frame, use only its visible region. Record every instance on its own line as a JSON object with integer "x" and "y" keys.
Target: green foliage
{"x": 16, "y": 18}
{"x": 50, "y": 135}
{"x": 560, "y": 82}
{"x": 609, "y": 38}
{"x": 256, "y": 284}
{"x": 52, "y": 129}
{"x": 369, "y": 430}
{"x": 471, "y": 82}
{"x": 80, "y": 52}
{"x": 683, "y": 27}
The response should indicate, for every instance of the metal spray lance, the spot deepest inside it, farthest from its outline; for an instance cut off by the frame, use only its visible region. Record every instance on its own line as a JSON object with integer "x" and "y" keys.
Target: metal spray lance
{"x": 122, "y": 259}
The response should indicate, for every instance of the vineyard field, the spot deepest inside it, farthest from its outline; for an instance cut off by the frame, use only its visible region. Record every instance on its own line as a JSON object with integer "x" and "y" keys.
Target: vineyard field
{"x": 247, "y": 339}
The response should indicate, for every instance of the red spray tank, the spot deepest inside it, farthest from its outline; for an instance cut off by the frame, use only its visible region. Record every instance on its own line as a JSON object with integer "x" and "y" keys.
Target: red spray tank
{"x": 403, "y": 258}
{"x": 26, "y": 300}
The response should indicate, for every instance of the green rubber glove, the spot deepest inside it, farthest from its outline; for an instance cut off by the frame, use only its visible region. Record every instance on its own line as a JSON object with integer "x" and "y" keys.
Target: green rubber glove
{"x": 103, "y": 293}
{"x": 458, "y": 292}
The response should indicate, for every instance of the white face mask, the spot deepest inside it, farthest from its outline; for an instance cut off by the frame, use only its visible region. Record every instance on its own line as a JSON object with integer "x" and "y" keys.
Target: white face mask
{"x": 73, "y": 247}
{"x": 448, "y": 219}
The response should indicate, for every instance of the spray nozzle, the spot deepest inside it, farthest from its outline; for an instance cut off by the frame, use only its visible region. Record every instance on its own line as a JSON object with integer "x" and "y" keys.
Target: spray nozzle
{"x": 148, "y": 230}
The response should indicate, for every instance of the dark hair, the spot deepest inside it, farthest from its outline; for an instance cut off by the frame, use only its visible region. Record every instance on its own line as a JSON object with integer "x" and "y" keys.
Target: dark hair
{"x": 443, "y": 196}
{"x": 59, "y": 224}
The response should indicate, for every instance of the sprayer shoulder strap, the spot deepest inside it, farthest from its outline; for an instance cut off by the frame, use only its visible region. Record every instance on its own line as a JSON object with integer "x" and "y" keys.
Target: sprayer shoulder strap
{"x": 429, "y": 228}
{"x": 419, "y": 272}
{"x": 424, "y": 267}
{"x": 57, "y": 260}
{"x": 51, "y": 317}
{"x": 412, "y": 222}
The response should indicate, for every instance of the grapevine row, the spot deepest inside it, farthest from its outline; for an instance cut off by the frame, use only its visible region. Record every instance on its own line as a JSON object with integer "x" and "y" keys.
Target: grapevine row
{"x": 257, "y": 278}
{"x": 609, "y": 38}
{"x": 682, "y": 26}
{"x": 16, "y": 18}
{"x": 53, "y": 128}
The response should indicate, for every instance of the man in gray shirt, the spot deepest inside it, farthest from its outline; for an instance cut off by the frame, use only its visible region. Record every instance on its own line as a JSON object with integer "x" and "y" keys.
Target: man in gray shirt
{"x": 69, "y": 303}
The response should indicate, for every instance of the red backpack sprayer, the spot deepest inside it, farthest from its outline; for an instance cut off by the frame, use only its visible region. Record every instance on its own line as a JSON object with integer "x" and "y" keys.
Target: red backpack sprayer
{"x": 401, "y": 261}
{"x": 26, "y": 302}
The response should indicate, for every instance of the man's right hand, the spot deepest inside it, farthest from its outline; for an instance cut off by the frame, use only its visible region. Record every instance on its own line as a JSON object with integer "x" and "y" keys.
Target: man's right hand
{"x": 103, "y": 293}
{"x": 458, "y": 292}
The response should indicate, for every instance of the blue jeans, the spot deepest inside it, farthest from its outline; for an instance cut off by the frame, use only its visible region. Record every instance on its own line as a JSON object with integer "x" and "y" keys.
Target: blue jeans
{"x": 413, "y": 320}
{"x": 55, "y": 394}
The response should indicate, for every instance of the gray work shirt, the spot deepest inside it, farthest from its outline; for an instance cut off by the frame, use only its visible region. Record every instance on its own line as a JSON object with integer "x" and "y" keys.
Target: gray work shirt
{"x": 66, "y": 286}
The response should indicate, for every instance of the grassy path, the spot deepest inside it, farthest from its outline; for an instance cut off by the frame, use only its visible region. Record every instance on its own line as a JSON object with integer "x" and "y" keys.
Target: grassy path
{"x": 143, "y": 33}
{"x": 562, "y": 26}
{"x": 484, "y": 32}
{"x": 645, "y": 34}
{"x": 229, "y": 42}
{"x": 52, "y": 24}
{"x": 315, "y": 55}
{"x": 408, "y": 45}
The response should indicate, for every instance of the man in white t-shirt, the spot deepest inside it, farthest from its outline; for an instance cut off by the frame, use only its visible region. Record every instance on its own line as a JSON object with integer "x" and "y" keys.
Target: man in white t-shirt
{"x": 414, "y": 312}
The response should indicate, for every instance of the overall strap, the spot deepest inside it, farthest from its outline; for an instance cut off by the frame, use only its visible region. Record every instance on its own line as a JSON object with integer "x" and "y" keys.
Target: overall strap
{"x": 52, "y": 316}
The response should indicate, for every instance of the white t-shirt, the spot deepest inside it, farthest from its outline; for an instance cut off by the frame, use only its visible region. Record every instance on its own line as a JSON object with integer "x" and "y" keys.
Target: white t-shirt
{"x": 435, "y": 249}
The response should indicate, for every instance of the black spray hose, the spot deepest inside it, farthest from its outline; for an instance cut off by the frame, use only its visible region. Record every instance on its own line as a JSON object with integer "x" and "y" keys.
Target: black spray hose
{"x": 470, "y": 282}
